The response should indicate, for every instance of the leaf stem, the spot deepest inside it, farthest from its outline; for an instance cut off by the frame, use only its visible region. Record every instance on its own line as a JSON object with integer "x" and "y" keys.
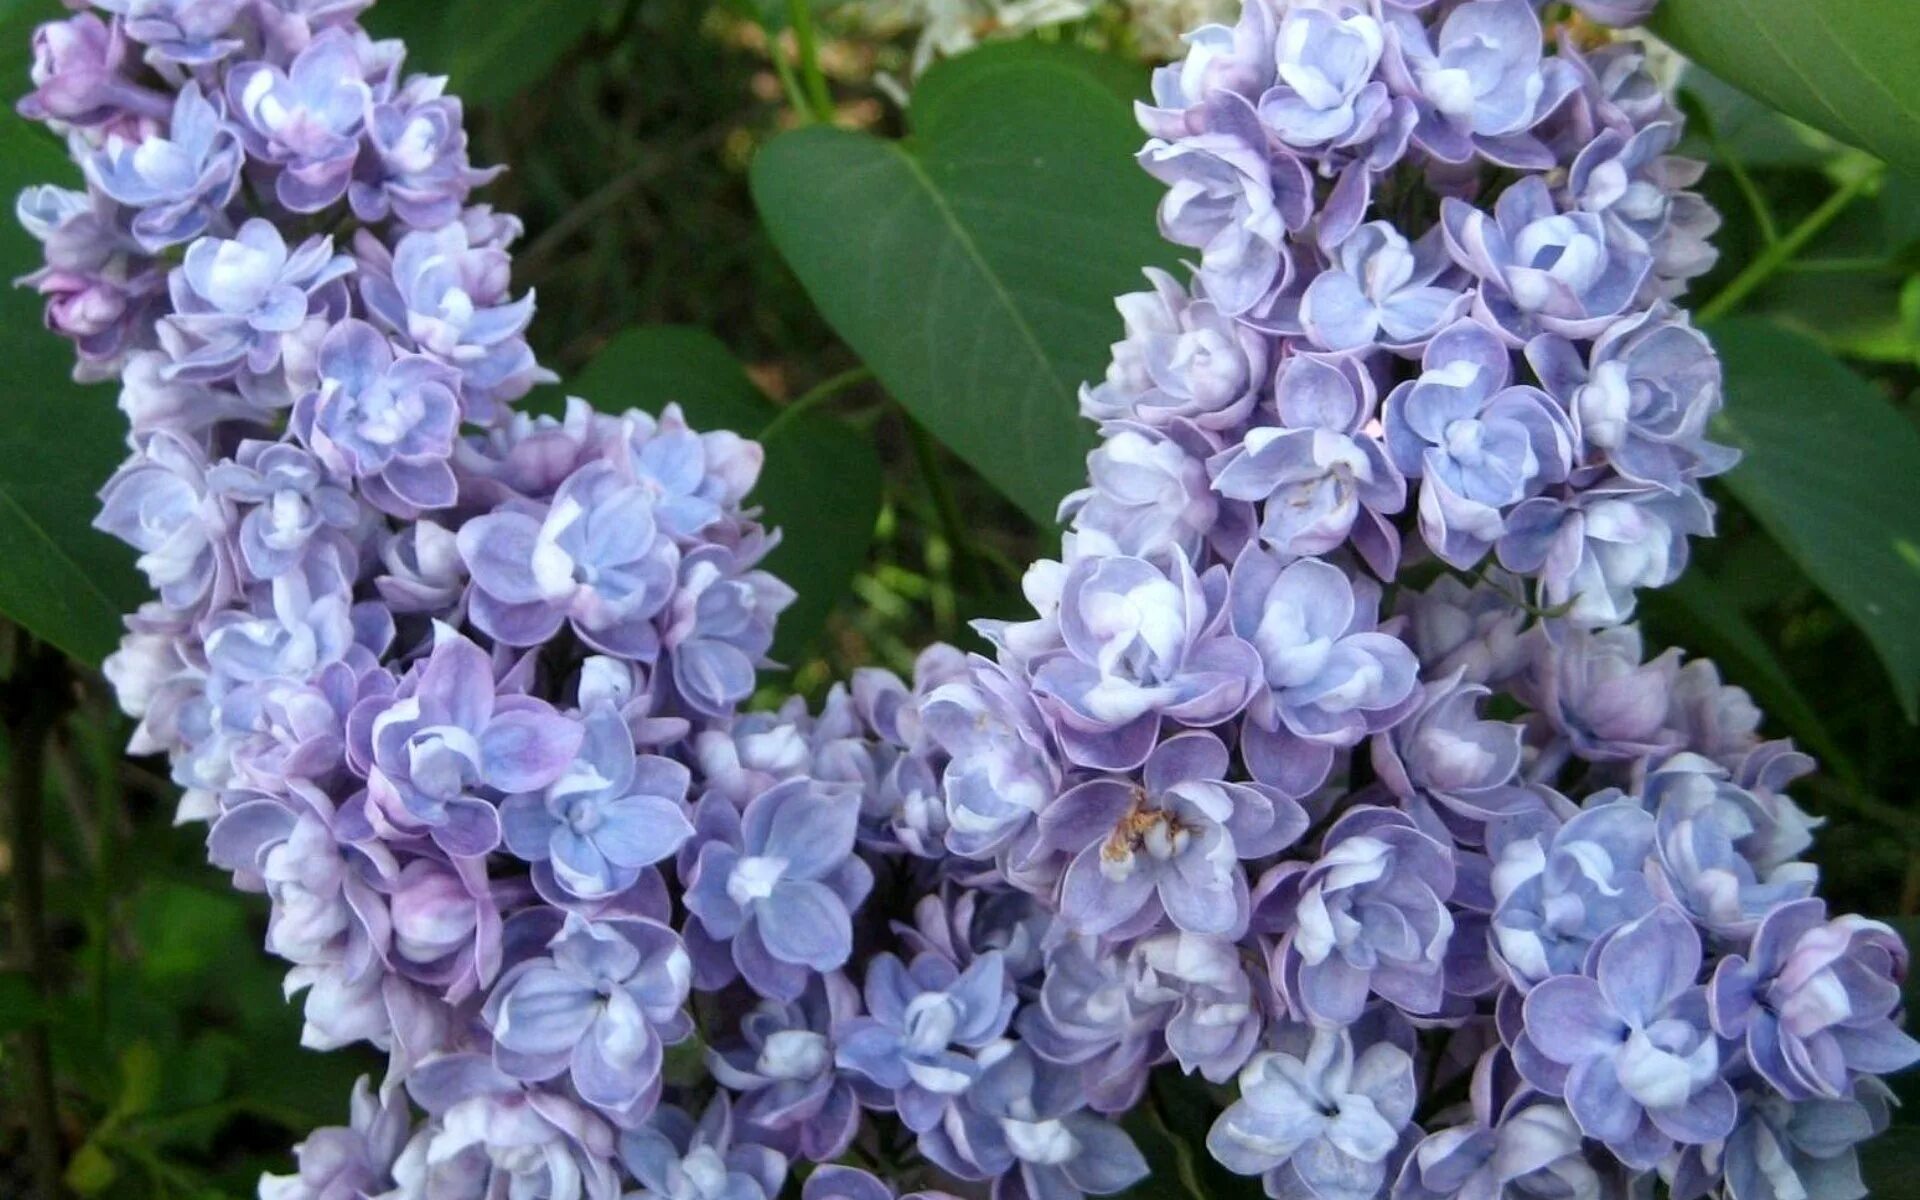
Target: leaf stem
{"x": 807, "y": 42}
{"x": 34, "y": 693}
{"x": 810, "y": 399}
{"x": 1778, "y": 254}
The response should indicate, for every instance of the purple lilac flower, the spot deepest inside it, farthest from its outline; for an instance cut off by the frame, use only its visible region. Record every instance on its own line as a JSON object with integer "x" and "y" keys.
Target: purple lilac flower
{"x": 1023, "y": 1126}
{"x": 1380, "y": 288}
{"x": 719, "y": 627}
{"x": 1214, "y": 1020}
{"x": 181, "y": 183}
{"x": 290, "y": 503}
{"x": 488, "y": 1134}
{"x": 341, "y": 1160}
{"x": 593, "y": 559}
{"x": 925, "y": 1020}
{"x": 673, "y": 1158}
{"x": 1814, "y": 1001}
{"x": 1319, "y": 480}
{"x": 385, "y": 420}
{"x": 236, "y": 300}
{"x": 1142, "y": 644}
{"x": 1168, "y": 846}
{"x": 445, "y": 738}
{"x": 308, "y": 119}
{"x": 1478, "y": 446}
{"x": 415, "y": 162}
{"x": 1369, "y": 917}
{"x": 1643, "y": 1064}
{"x": 1559, "y": 890}
{"x": 601, "y": 1005}
{"x": 1183, "y": 359}
{"x": 1331, "y": 678}
{"x": 780, "y": 883}
{"x": 1319, "y": 1119}
{"x": 187, "y": 32}
{"x": 1480, "y": 82}
{"x": 609, "y": 816}
{"x": 793, "y": 1095}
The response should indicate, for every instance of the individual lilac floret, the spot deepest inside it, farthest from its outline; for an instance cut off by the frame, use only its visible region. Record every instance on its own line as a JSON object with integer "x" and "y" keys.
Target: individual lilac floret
{"x": 780, "y": 885}
{"x": 446, "y": 736}
{"x": 1088, "y": 1016}
{"x": 180, "y": 183}
{"x": 1327, "y": 95}
{"x": 600, "y": 1006}
{"x": 923, "y": 1022}
{"x": 448, "y": 295}
{"x": 1147, "y": 493}
{"x": 388, "y": 422}
{"x": 1319, "y": 1121}
{"x": 1331, "y": 678}
{"x": 1003, "y": 769}
{"x": 1542, "y": 270}
{"x": 491, "y": 1135}
{"x": 1711, "y": 838}
{"x": 1022, "y": 1124}
{"x": 1220, "y": 59}
{"x": 608, "y": 817}
{"x": 415, "y": 165}
{"x": 1172, "y": 846}
{"x": 1369, "y": 917}
{"x": 1480, "y": 81}
{"x": 1215, "y": 1020}
{"x": 1473, "y": 630}
{"x": 1781, "y": 1150}
{"x": 719, "y": 627}
{"x": 1644, "y": 1065}
{"x": 236, "y": 300}
{"x": 1478, "y": 446}
{"x": 672, "y": 1158}
{"x": 792, "y": 1096}
{"x": 1605, "y": 703}
{"x": 593, "y": 559}
{"x": 833, "y": 1182}
{"x": 189, "y": 33}
{"x": 1446, "y": 755}
{"x": 1814, "y": 1000}
{"x": 1379, "y": 288}
{"x": 161, "y": 503}
{"x": 1142, "y": 643}
{"x": 699, "y": 479}
{"x": 1640, "y": 399}
{"x": 307, "y": 119}
{"x": 1232, "y": 201}
{"x": 1182, "y": 360}
{"x": 1636, "y": 186}
{"x": 1319, "y": 478}
{"x": 79, "y": 77}
{"x": 1593, "y": 553}
{"x": 1521, "y": 1145}
{"x": 1557, "y": 893}
{"x": 342, "y": 1160}
{"x": 291, "y": 503}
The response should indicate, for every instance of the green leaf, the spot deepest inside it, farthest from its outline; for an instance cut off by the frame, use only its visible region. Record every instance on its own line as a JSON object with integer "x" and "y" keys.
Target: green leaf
{"x": 1845, "y": 66}
{"x": 1742, "y": 128}
{"x": 491, "y": 51}
{"x": 821, "y": 482}
{"x": 19, "y": 1002}
{"x": 1829, "y": 470}
{"x": 973, "y": 266}
{"x": 62, "y": 581}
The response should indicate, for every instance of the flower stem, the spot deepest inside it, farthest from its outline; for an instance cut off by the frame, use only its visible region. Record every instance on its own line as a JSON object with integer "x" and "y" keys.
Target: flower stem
{"x": 1778, "y": 254}
{"x": 807, "y": 42}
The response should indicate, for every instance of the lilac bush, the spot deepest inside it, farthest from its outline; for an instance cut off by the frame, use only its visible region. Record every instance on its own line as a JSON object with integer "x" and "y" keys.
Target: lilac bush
{"x": 1329, "y": 768}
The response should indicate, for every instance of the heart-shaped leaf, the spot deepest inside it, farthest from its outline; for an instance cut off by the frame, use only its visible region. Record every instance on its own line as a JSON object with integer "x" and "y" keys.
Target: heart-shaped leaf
{"x": 973, "y": 266}
{"x": 821, "y": 482}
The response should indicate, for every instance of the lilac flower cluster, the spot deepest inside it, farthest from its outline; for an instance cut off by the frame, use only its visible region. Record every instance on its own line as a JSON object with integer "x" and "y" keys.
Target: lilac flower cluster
{"x": 461, "y": 689}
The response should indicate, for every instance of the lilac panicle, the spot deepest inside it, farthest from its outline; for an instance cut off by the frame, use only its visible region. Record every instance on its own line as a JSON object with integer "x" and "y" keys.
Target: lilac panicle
{"x": 1329, "y": 767}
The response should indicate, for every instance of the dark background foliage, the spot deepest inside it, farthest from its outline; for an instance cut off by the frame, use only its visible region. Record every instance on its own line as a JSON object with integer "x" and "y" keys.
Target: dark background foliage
{"x": 901, "y": 305}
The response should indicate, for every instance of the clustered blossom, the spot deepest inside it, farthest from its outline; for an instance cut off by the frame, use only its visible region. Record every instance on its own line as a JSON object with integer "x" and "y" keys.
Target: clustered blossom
{"x": 1328, "y": 767}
